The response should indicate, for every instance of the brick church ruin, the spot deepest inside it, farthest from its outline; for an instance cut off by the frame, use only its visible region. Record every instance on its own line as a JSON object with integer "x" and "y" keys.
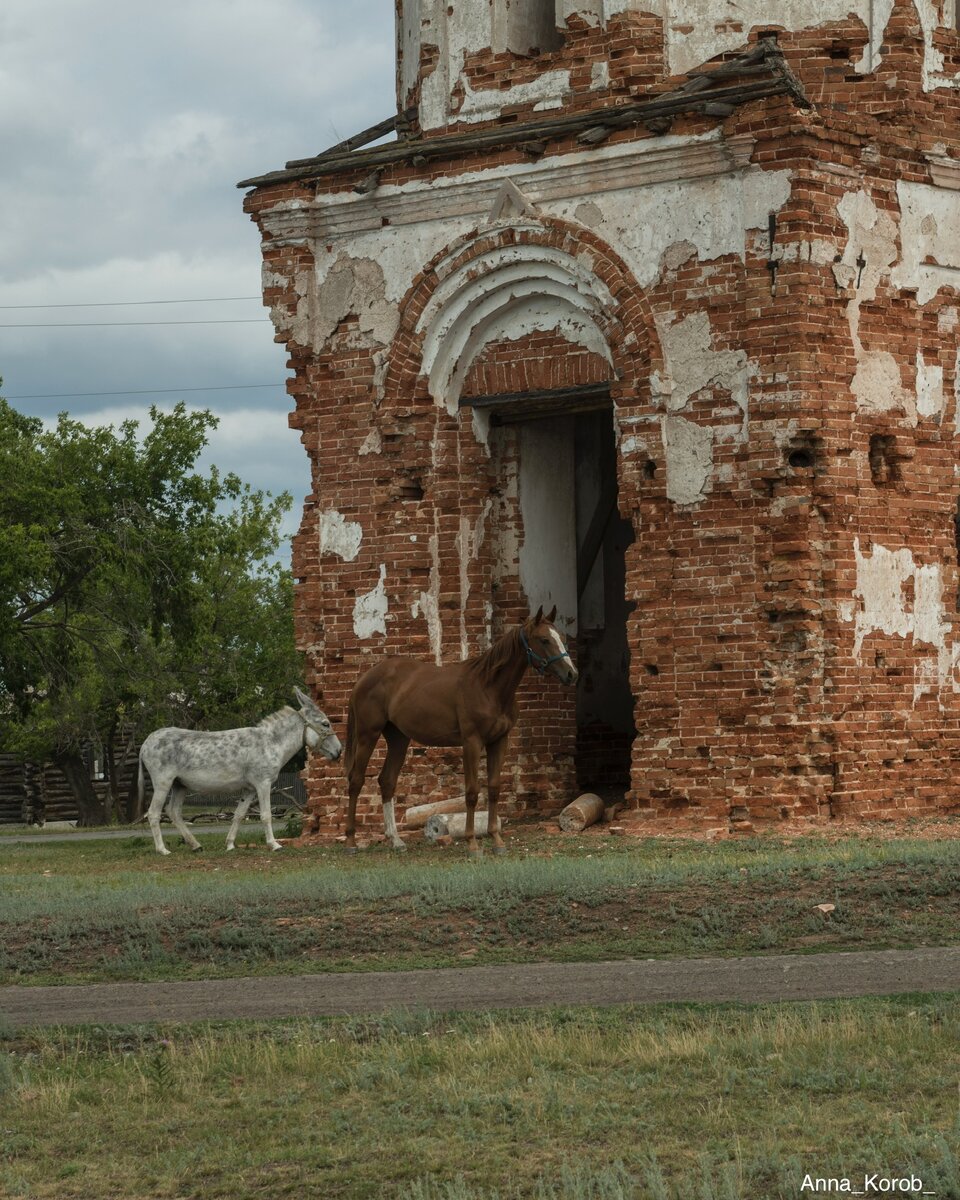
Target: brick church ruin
{"x": 650, "y": 310}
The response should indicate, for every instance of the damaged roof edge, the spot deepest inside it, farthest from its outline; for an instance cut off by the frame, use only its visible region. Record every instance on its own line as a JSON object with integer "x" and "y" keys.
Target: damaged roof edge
{"x": 703, "y": 90}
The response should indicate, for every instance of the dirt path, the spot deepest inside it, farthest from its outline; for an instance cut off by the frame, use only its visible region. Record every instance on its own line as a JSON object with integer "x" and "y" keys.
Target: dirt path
{"x": 785, "y": 977}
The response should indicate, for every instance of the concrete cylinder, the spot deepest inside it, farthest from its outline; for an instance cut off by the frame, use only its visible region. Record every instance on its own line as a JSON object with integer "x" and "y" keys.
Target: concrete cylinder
{"x": 586, "y": 810}
{"x": 454, "y": 825}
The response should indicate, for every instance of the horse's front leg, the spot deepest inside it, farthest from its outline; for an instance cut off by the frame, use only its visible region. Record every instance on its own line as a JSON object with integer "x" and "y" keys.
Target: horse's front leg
{"x": 496, "y": 752}
{"x": 471, "y": 770}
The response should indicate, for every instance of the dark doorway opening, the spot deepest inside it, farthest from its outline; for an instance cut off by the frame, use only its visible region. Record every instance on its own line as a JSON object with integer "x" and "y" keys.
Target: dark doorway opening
{"x": 605, "y": 725}
{"x": 572, "y": 553}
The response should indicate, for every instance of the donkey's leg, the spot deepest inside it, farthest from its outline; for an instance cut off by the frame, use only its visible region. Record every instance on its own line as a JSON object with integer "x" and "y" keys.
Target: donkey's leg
{"x": 243, "y": 807}
{"x": 266, "y": 815}
{"x": 175, "y": 808}
{"x": 161, "y": 787}
{"x": 397, "y": 744}
{"x": 358, "y": 772}
{"x": 495, "y": 755}
{"x": 471, "y": 771}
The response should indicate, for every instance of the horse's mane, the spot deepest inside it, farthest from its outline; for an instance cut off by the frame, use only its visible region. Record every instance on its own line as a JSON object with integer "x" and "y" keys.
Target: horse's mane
{"x": 488, "y": 664}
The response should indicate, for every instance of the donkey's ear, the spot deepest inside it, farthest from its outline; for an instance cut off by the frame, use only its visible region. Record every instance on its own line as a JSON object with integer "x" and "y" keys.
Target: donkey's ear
{"x": 539, "y": 617}
{"x": 552, "y": 614}
{"x": 301, "y": 696}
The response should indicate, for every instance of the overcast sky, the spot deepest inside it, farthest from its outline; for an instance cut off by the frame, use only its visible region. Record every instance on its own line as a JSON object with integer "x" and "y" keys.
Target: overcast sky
{"x": 124, "y": 128}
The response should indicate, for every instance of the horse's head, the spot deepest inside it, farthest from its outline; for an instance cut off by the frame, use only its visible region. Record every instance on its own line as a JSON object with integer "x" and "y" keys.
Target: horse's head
{"x": 546, "y": 649}
{"x": 318, "y": 732}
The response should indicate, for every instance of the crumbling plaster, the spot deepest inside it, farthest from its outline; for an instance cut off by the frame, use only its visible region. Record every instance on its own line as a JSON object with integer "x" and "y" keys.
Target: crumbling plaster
{"x": 920, "y": 252}
{"x": 694, "y": 33}
{"x": 370, "y": 609}
{"x": 881, "y": 605}
{"x": 366, "y": 271}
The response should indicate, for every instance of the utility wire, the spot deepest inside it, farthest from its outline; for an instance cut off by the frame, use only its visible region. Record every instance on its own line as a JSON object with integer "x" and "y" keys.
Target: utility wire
{"x": 234, "y": 387}
{"x": 119, "y": 324}
{"x": 129, "y": 303}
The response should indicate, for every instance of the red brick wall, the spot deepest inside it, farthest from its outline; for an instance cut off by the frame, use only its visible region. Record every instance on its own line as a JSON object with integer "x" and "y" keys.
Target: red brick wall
{"x": 742, "y": 664}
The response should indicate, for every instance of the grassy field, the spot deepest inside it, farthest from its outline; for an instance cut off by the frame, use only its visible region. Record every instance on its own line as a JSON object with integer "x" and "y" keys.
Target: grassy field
{"x": 88, "y": 911}
{"x": 661, "y": 1103}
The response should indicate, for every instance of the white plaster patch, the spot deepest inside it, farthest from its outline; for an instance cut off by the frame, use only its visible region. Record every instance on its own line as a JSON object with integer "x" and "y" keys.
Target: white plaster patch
{"x": 546, "y": 91}
{"x": 870, "y": 251}
{"x": 428, "y": 603}
{"x": 599, "y": 75}
{"x": 929, "y": 13}
{"x": 930, "y": 397}
{"x": 354, "y": 286}
{"x": 688, "y": 449}
{"x": 882, "y": 577}
{"x": 339, "y": 536}
{"x": 370, "y": 609}
{"x": 697, "y": 30}
{"x": 372, "y": 443}
{"x": 930, "y": 239}
{"x": 693, "y": 364}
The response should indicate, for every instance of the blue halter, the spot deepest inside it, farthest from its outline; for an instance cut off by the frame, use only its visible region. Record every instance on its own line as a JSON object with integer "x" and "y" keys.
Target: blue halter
{"x": 537, "y": 661}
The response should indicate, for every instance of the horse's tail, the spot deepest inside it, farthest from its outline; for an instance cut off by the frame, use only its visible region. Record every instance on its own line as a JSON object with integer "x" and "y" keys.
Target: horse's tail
{"x": 350, "y": 751}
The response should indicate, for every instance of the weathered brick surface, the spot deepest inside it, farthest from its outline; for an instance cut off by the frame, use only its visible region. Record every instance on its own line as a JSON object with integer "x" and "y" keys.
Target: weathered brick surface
{"x": 792, "y": 641}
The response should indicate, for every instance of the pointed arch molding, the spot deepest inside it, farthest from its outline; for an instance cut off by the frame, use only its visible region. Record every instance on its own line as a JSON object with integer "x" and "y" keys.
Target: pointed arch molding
{"x": 508, "y": 280}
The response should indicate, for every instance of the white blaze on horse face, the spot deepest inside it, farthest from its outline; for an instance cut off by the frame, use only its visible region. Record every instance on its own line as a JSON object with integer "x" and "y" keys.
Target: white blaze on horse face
{"x": 563, "y": 668}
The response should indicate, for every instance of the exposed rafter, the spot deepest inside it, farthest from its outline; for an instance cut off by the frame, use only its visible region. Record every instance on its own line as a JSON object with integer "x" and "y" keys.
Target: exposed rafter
{"x": 715, "y": 90}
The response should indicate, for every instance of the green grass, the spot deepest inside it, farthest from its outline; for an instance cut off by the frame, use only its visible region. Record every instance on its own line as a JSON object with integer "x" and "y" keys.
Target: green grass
{"x": 115, "y": 910}
{"x": 666, "y": 1103}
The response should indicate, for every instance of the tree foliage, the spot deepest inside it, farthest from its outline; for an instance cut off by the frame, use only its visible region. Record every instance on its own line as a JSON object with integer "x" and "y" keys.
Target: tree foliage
{"x": 135, "y": 591}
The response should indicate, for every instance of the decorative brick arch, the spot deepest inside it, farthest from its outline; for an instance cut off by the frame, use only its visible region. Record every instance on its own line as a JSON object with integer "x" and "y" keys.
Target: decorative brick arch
{"x": 465, "y": 295}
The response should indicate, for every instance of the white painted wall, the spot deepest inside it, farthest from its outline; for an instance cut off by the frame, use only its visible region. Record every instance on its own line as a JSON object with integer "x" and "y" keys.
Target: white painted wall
{"x": 548, "y": 552}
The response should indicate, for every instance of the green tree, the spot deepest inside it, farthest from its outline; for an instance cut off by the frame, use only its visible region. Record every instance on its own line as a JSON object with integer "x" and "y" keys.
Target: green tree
{"x": 135, "y": 591}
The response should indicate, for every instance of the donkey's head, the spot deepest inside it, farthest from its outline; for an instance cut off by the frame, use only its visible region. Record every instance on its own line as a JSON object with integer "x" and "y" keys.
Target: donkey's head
{"x": 318, "y": 732}
{"x": 546, "y": 649}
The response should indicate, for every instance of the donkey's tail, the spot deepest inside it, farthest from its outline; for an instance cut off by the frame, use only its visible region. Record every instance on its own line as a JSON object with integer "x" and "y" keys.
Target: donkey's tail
{"x": 140, "y": 784}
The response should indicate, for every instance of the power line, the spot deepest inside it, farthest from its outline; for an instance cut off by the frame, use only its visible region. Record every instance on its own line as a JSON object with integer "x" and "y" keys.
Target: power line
{"x": 233, "y": 387}
{"x": 120, "y": 324}
{"x": 129, "y": 303}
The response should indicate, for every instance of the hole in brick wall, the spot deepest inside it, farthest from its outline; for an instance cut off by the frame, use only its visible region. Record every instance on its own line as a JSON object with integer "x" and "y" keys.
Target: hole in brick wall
{"x": 649, "y": 468}
{"x": 838, "y": 51}
{"x": 652, "y": 668}
{"x": 409, "y": 486}
{"x": 773, "y": 615}
{"x": 802, "y": 452}
{"x": 884, "y": 460}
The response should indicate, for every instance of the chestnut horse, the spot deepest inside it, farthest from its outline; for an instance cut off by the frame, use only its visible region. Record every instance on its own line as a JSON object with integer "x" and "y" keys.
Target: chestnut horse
{"x": 470, "y": 704}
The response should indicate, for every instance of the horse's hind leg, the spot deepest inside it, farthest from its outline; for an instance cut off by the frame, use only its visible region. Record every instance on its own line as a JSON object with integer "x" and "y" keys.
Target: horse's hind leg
{"x": 175, "y": 807}
{"x": 471, "y": 771}
{"x": 397, "y": 744}
{"x": 358, "y": 771}
{"x": 243, "y": 807}
{"x": 161, "y": 787}
{"x": 495, "y": 755}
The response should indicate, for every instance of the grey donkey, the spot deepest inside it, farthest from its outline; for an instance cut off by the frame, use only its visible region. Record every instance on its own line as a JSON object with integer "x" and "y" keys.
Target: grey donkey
{"x": 182, "y": 760}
